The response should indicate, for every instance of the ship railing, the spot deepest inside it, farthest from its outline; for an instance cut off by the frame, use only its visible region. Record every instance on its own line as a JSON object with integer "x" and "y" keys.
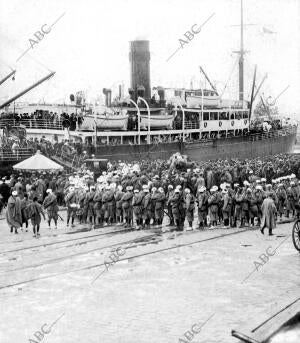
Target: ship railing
{"x": 189, "y": 125}
{"x": 45, "y": 124}
{"x": 19, "y": 154}
{"x": 273, "y": 134}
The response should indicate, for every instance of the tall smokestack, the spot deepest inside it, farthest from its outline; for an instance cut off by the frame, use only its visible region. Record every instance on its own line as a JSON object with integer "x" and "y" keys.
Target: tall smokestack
{"x": 139, "y": 57}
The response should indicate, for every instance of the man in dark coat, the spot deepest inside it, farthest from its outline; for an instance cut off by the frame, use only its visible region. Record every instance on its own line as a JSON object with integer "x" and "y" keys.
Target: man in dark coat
{"x": 13, "y": 213}
{"x": 268, "y": 214}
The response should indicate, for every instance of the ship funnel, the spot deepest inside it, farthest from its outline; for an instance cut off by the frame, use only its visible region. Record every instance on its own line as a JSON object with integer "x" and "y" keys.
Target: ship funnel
{"x": 139, "y": 57}
{"x": 107, "y": 93}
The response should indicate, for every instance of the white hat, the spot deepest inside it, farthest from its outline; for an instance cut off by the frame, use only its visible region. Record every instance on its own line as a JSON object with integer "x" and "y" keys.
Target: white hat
{"x": 49, "y": 190}
{"x": 263, "y": 179}
{"x": 202, "y": 189}
{"x": 258, "y": 187}
{"x": 170, "y": 186}
{"x": 187, "y": 190}
{"x": 136, "y": 191}
{"x": 250, "y": 171}
{"x": 146, "y": 190}
{"x": 177, "y": 190}
{"x": 246, "y": 183}
{"x": 161, "y": 190}
{"x": 120, "y": 188}
{"x": 14, "y": 193}
{"x": 154, "y": 189}
{"x": 145, "y": 186}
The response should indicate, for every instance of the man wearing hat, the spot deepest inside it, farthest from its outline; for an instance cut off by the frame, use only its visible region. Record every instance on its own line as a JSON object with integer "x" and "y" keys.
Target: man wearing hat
{"x": 127, "y": 205}
{"x": 282, "y": 199}
{"x": 291, "y": 200}
{"x": 238, "y": 198}
{"x": 213, "y": 206}
{"x": 40, "y": 188}
{"x": 34, "y": 213}
{"x": 260, "y": 195}
{"x": 118, "y": 199}
{"x": 71, "y": 203}
{"x": 177, "y": 209}
{"x": 89, "y": 204}
{"x": 13, "y": 212}
{"x": 159, "y": 199}
{"x": 137, "y": 204}
{"x": 202, "y": 199}
{"x": 108, "y": 202}
{"x": 169, "y": 195}
{"x": 189, "y": 206}
{"x": 269, "y": 213}
{"x": 50, "y": 204}
{"x": 146, "y": 207}
{"x": 245, "y": 204}
{"x": 226, "y": 209}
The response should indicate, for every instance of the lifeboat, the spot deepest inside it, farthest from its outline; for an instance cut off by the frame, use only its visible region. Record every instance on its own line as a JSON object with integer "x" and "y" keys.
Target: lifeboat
{"x": 104, "y": 122}
{"x": 208, "y": 101}
{"x": 157, "y": 121}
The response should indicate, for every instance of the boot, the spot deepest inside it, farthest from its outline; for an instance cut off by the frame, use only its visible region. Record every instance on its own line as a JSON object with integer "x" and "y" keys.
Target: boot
{"x": 270, "y": 232}
{"x": 242, "y": 223}
{"x": 171, "y": 222}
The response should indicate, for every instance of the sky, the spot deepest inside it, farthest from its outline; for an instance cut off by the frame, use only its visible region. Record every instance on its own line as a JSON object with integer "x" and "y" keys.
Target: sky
{"x": 88, "y": 47}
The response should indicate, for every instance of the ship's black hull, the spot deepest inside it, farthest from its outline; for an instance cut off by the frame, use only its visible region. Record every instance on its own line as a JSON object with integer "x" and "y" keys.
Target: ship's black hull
{"x": 237, "y": 147}
{"x": 278, "y": 142}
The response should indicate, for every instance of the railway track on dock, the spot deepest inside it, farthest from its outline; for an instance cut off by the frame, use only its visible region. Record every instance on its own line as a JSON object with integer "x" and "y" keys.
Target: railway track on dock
{"x": 133, "y": 243}
{"x": 66, "y": 241}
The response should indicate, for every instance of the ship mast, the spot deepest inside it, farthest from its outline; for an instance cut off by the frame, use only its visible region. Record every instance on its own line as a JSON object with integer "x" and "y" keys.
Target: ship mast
{"x": 242, "y": 53}
{"x": 241, "y": 60}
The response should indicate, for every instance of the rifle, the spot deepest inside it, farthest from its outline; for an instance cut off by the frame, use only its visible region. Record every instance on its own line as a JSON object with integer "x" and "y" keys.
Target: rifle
{"x": 167, "y": 213}
{"x": 59, "y": 216}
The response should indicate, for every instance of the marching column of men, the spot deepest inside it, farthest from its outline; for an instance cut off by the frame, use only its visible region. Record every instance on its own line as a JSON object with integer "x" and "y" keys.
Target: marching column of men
{"x": 230, "y": 205}
{"x": 136, "y": 201}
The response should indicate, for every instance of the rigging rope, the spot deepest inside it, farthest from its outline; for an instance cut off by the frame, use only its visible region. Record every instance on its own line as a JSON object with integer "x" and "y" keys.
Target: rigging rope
{"x": 230, "y": 75}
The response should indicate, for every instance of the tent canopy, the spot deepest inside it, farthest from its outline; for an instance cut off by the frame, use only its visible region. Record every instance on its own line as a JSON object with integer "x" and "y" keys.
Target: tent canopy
{"x": 38, "y": 162}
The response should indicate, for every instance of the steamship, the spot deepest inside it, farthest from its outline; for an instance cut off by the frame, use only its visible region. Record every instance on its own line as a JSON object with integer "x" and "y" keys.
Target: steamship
{"x": 158, "y": 122}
